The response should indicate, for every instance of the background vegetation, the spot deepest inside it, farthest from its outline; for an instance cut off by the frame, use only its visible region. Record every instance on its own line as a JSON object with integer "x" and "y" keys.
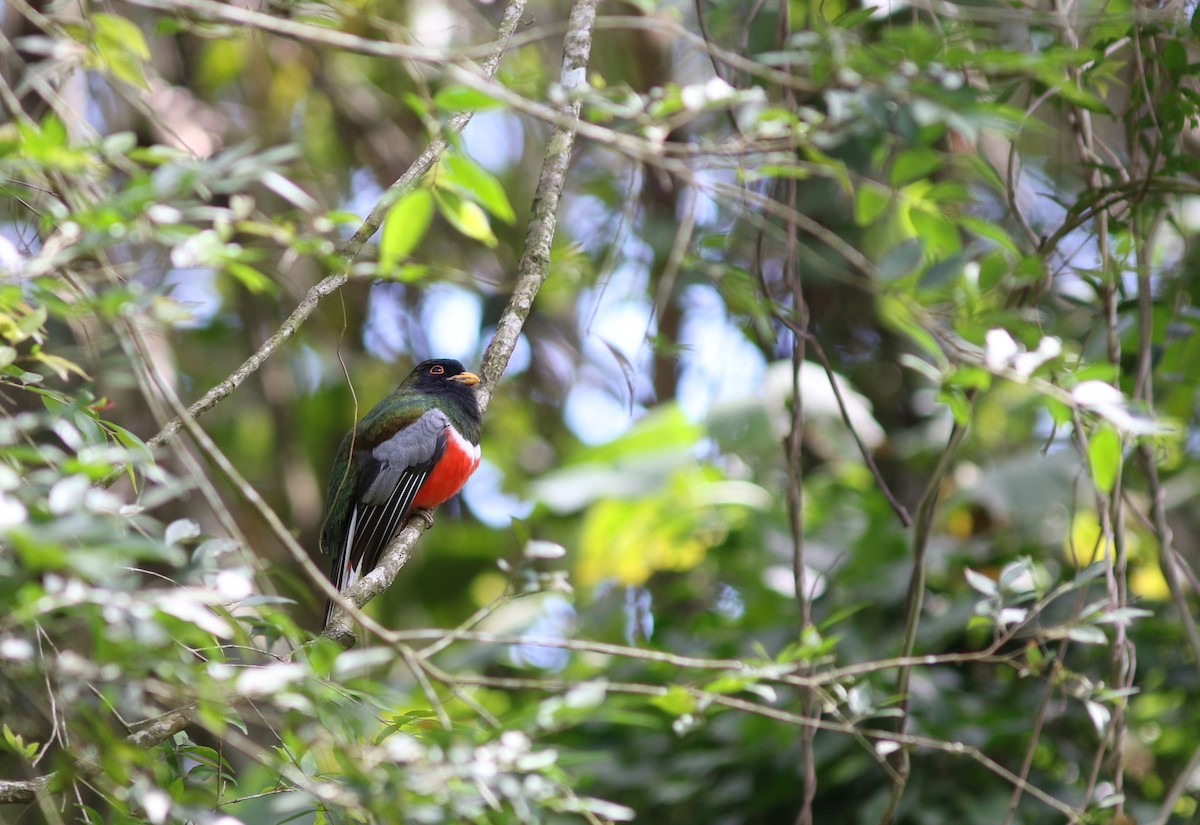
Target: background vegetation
{"x": 691, "y": 582}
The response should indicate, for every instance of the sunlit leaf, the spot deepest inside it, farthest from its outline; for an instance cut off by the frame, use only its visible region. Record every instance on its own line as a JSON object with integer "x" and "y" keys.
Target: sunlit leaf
{"x": 599, "y": 807}
{"x": 870, "y": 201}
{"x": 939, "y": 234}
{"x": 1104, "y": 457}
{"x": 1087, "y": 635}
{"x": 478, "y": 184}
{"x": 249, "y": 277}
{"x": 61, "y": 367}
{"x": 404, "y": 227}
{"x": 676, "y": 701}
{"x": 1099, "y": 714}
{"x": 981, "y": 583}
{"x": 466, "y": 216}
{"x": 121, "y": 48}
{"x": 462, "y": 99}
{"x": 289, "y": 191}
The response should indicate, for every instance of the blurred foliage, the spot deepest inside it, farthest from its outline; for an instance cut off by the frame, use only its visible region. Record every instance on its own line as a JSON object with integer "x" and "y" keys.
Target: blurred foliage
{"x": 983, "y": 216}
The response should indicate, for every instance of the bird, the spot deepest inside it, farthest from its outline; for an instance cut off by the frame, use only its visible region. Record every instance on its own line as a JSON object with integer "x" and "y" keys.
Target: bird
{"x": 414, "y": 450}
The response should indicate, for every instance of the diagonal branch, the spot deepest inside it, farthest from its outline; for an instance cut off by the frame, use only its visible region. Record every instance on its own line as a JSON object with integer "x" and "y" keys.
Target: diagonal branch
{"x": 532, "y": 271}
{"x": 534, "y": 266}
{"x": 405, "y": 184}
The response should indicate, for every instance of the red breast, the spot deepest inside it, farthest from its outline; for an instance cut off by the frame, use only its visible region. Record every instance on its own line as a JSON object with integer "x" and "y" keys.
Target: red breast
{"x": 448, "y": 476}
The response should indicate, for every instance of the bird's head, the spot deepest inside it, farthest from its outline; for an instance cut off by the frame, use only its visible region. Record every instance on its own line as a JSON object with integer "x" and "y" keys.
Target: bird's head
{"x": 440, "y": 374}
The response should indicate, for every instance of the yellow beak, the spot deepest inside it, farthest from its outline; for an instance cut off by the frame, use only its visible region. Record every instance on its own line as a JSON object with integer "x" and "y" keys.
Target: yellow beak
{"x": 468, "y": 378}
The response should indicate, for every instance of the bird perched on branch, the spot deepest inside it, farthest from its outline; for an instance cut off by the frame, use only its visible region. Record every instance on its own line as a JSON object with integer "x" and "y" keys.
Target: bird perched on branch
{"x": 412, "y": 451}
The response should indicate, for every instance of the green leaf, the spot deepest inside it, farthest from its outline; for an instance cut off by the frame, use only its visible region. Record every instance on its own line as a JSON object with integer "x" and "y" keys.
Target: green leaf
{"x": 28, "y": 325}
{"x": 834, "y": 167}
{"x": 939, "y": 235}
{"x": 410, "y": 273}
{"x": 676, "y": 702}
{"x": 60, "y": 366}
{"x": 321, "y": 656}
{"x": 901, "y": 260}
{"x": 249, "y": 277}
{"x": 121, "y": 30}
{"x": 728, "y": 684}
{"x": 404, "y": 227}
{"x": 870, "y": 201}
{"x": 1093, "y": 571}
{"x": 989, "y": 230}
{"x": 465, "y": 216}
{"x": 37, "y": 554}
{"x": 128, "y": 440}
{"x": 781, "y": 171}
{"x": 969, "y": 377}
{"x": 476, "y": 183}
{"x": 462, "y": 99}
{"x": 1083, "y": 98}
{"x": 1034, "y": 658}
{"x": 850, "y": 19}
{"x": 18, "y": 745}
{"x": 896, "y": 313}
{"x": 1174, "y": 57}
{"x": 665, "y": 428}
{"x": 120, "y": 48}
{"x": 914, "y": 164}
{"x": 1104, "y": 457}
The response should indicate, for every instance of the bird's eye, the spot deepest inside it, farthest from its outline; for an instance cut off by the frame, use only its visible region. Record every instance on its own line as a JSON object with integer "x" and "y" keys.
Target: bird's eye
{"x": 437, "y": 369}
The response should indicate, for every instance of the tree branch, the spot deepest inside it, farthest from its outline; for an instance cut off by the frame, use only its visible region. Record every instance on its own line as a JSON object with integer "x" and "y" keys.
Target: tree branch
{"x": 24, "y": 791}
{"x": 532, "y": 271}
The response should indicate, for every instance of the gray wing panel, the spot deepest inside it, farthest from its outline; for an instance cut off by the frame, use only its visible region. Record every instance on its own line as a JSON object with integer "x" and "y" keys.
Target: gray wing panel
{"x": 412, "y": 448}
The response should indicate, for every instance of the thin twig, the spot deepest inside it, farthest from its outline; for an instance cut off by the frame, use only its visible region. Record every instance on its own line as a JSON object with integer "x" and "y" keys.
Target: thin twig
{"x": 1051, "y": 684}
{"x": 915, "y": 600}
{"x": 417, "y": 668}
{"x": 1168, "y": 559}
{"x": 1178, "y": 788}
{"x": 780, "y": 715}
{"x": 586, "y": 646}
{"x": 1166, "y": 548}
{"x": 711, "y": 50}
{"x": 899, "y": 509}
{"x": 794, "y": 451}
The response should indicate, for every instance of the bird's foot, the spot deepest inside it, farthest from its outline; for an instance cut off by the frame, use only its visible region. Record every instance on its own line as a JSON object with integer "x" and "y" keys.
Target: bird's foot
{"x": 426, "y": 515}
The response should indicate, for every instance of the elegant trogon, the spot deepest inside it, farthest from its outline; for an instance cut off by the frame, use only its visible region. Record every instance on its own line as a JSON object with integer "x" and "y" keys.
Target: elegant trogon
{"x": 413, "y": 450}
